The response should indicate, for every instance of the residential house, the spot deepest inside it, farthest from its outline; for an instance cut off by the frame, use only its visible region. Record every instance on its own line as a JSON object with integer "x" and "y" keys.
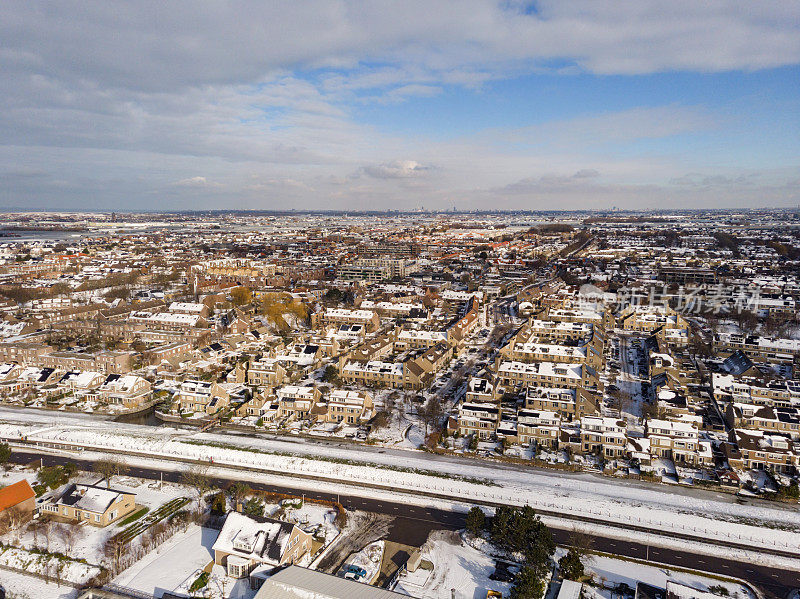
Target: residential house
{"x": 201, "y": 396}
{"x": 94, "y": 504}
{"x": 245, "y": 543}
{"x": 351, "y": 407}
{"x": 296, "y": 401}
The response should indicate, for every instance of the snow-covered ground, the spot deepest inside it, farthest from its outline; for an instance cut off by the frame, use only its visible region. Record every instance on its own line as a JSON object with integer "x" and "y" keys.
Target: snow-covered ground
{"x": 219, "y": 586}
{"x": 170, "y": 565}
{"x": 704, "y": 514}
{"x": 49, "y": 565}
{"x": 88, "y": 541}
{"x": 611, "y": 572}
{"x": 369, "y": 559}
{"x": 311, "y": 517}
{"x": 28, "y": 587}
{"x": 455, "y": 566}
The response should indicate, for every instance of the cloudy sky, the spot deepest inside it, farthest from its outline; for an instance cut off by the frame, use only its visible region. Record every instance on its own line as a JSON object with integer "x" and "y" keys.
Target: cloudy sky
{"x": 399, "y": 104}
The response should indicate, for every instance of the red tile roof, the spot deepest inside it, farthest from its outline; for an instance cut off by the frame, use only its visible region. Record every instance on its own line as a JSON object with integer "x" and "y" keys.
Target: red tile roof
{"x": 15, "y": 494}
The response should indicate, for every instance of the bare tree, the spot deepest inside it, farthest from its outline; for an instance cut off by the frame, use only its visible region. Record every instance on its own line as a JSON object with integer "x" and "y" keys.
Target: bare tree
{"x": 197, "y": 478}
{"x": 115, "y": 550}
{"x": 13, "y": 519}
{"x": 68, "y": 533}
{"x": 108, "y": 468}
{"x": 431, "y": 413}
{"x": 580, "y": 542}
{"x": 47, "y": 531}
{"x": 220, "y": 586}
{"x": 389, "y": 402}
{"x": 36, "y": 527}
{"x": 237, "y": 492}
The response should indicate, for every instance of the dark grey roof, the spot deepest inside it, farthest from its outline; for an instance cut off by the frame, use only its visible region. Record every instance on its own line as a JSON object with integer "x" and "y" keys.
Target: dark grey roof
{"x": 737, "y": 363}
{"x": 295, "y": 582}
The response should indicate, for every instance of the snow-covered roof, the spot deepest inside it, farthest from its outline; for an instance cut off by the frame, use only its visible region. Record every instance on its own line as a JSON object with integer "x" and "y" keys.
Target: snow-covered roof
{"x": 264, "y": 542}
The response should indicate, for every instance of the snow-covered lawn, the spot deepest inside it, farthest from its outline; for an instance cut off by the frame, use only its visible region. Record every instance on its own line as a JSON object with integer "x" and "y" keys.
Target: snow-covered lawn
{"x": 28, "y": 587}
{"x": 169, "y": 566}
{"x": 455, "y": 566}
{"x": 14, "y": 474}
{"x": 46, "y": 564}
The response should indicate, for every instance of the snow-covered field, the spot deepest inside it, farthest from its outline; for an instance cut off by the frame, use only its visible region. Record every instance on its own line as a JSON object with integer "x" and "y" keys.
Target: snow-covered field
{"x": 692, "y": 512}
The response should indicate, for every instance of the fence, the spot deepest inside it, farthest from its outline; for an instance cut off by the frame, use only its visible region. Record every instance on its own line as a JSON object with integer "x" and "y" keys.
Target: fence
{"x": 420, "y": 484}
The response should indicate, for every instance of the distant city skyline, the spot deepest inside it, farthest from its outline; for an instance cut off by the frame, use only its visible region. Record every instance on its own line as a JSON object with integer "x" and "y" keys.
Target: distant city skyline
{"x": 392, "y": 106}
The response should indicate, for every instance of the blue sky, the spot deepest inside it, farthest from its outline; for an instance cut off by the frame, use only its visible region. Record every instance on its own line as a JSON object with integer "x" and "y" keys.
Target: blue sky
{"x": 346, "y": 105}
{"x": 759, "y": 109}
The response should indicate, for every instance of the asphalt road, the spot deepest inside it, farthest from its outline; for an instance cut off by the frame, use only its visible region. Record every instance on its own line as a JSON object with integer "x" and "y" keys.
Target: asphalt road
{"x": 412, "y": 525}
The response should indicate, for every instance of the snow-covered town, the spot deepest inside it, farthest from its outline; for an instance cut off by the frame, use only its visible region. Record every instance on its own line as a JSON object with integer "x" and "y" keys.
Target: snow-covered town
{"x": 452, "y": 299}
{"x": 501, "y": 406}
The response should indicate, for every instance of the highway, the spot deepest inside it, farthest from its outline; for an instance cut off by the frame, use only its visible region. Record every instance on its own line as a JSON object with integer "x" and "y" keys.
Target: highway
{"x": 412, "y": 524}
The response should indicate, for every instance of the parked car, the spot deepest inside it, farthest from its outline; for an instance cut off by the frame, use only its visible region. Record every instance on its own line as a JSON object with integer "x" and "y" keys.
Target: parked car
{"x": 357, "y": 570}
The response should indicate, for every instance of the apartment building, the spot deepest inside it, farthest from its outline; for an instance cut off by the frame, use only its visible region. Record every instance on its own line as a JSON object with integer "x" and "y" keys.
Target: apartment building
{"x": 369, "y": 319}
{"x": 302, "y": 355}
{"x": 569, "y": 403}
{"x": 201, "y": 396}
{"x": 266, "y": 372}
{"x": 373, "y": 269}
{"x": 170, "y": 321}
{"x": 647, "y": 319}
{"x": 769, "y": 419}
{"x": 128, "y": 390}
{"x": 538, "y": 428}
{"x": 296, "y": 401}
{"x": 414, "y": 339}
{"x": 480, "y": 419}
{"x": 26, "y": 354}
{"x": 676, "y": 440}
{"x": 547, "y": 374}
{"x": 549, "y": 329}
{"x": 481, "y": 390}
{"x": 374, "y": 373}
{"x": 350, "y": 407}
{"x": 761, "y": 349}
{"x": 759, "y": 450}
{"x": 116, "y": 362}
{"x": 603, "y": 436}
{"x": 80, "y": 382}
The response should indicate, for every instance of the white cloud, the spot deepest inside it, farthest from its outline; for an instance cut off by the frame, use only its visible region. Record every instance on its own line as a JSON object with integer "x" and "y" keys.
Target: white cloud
{"x": 196, "y": 182}
{"x": 400, "y": 169}
{"x": 126, "y": 102}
